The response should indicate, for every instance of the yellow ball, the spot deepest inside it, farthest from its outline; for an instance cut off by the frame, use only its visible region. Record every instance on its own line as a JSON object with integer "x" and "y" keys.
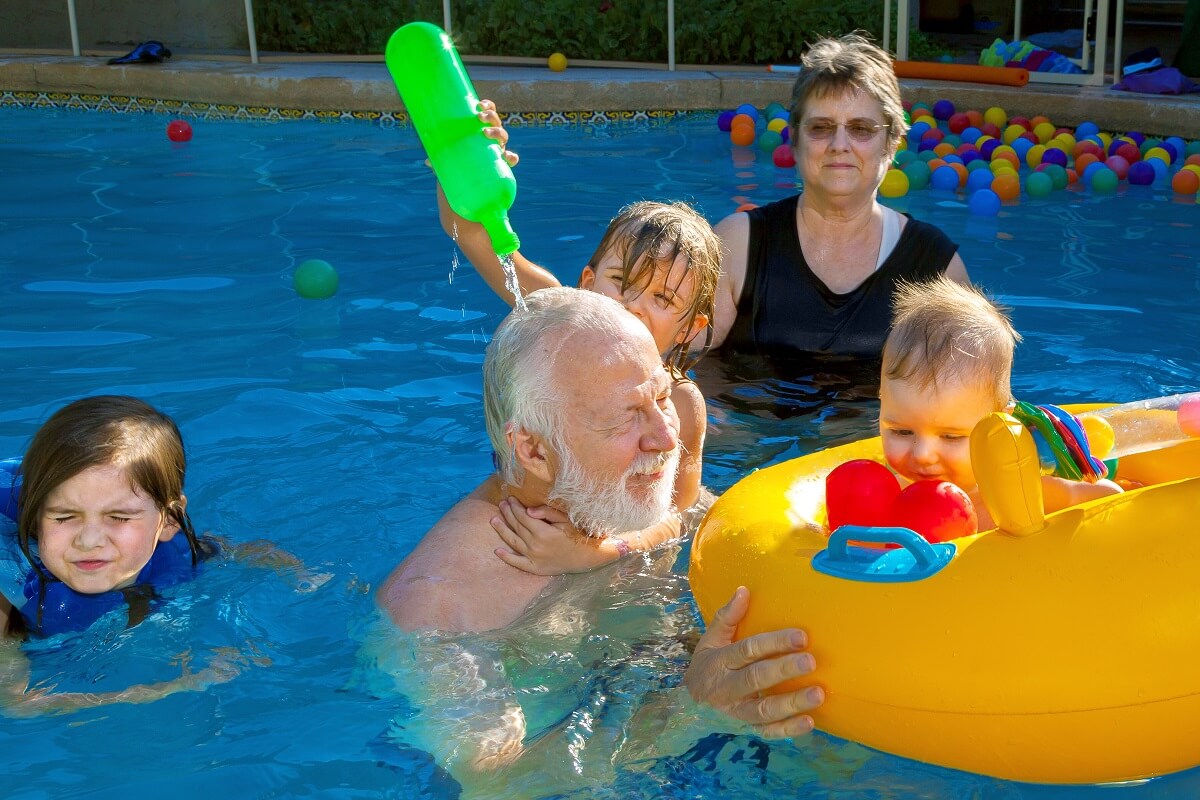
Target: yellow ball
{"x": 997, "y": 116}
{"x": 1044, "y": 132}
{"x": 1159, "y": 153}
{"x": 1033, "y": 156}
{"x": 557, "y": 62}
{"x": 777, "y": 124}
{"x": 895, "y": 184}
{"x": 1100, "y": 435}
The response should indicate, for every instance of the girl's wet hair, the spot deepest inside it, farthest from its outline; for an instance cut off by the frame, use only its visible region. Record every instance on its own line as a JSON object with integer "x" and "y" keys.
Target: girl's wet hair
{"x": 101, "y": 431}
{"x": 647, "y": 235}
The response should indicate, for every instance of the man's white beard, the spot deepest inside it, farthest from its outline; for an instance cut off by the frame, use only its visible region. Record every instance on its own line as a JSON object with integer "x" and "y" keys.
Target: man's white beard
{"x": 599, "y": 507}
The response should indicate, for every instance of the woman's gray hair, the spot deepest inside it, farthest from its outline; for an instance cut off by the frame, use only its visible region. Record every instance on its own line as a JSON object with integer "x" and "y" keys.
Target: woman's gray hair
{"x": 832, "y": 66}
{"x": 519, "y": 389}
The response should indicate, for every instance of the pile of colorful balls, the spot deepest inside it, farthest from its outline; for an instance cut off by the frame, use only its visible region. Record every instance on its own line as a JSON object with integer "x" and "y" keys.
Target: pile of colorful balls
{"x": 993, "y": 159}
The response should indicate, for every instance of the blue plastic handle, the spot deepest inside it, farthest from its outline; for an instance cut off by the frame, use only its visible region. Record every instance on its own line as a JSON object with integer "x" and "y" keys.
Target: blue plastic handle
{"x": 916, "y": 561}
{"x": 920, "y": 549}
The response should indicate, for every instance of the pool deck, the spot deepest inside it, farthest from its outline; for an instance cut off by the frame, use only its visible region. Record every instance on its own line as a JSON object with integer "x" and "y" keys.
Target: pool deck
{"x": 327, "y": 85}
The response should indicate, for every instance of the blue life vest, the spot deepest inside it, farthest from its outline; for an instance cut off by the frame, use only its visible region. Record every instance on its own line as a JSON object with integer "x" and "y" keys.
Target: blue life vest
{"x": 62, "y": 609}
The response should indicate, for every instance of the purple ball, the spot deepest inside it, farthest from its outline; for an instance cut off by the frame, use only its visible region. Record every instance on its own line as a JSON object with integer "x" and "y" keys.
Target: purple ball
{"x": 1053, "y": 155}
{"x": 1115, "y": 145}
{"x": 1137, "y": 137}
{"x": 1140, "y": 173}
{"x": 725, "y": 120}
{"x": 927, "y": 144}
{"x": 1170, "y": 148}
{"x": 785, "y": 134}
{"x": 986, "y": 149}
{"x": 943, "y": 109}
{"x": 968, "y": 156}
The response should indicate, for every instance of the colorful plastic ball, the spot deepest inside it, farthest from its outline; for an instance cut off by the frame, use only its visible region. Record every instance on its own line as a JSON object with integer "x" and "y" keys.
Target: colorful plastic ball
{"x": 1193, "y": 148}
{"x": 937, "y": 510}
{"x": 1188, "y": 416}
{"x": 969, "y": 157}
{"x": 557, "y": 62}
{"x": 996, "y": 116}
{"x": 895, "y": 184}
{"x": 786, "y": 135}
{"x": 179, "y": 131}
{"x": 1137, "y": 137}
{"x": 742, "y": 135}
{"x": 984, "y": 203}
{"x": 943, "y": 149}
{"x": 1012, "y": 133}
{"x": 774, "y": 109}
{"x": 927, "y": 145}
{"x": 1172, "y": 151}
{"x": 987, "y": 148}
{"x": 1104, "y": 180}
{"x": 937, "y": 134}
{"x": 1193, "y": 168}
{"x": 1052, "y": 155}
{"x": 783, "y": 157}
{"x": 1084, "y": 161}
{"x": 1159, "y": 154}
{"x": 1038, "y": 184}
{"x": 1092, "y": 169}
{"x": 944, "y": 178}
{"x": 918, "y": 129}
{"x": 725, "y": 120}
{"x": 977, "y": 180}
{"x": 918, "y": 173}
{"x": 1179, "y": 145}
{"x": 1185, "y": 182}
{"x": 315, "y": 279}
{"x": 1022, "y": 121}
{"x": 1057, "y": 173}
{"x": 1022, "y": 147}
{"x": 1129, "y": 152}
{"x": 777, "y": 124}
{"x": 902, "y": 158}
{"x": 1007, "y": 187}
{"x": 970, "y": 135}
{"x": 749, "y": 109}
{"x": 943, "y": 109}
{"x": 1118, "y": 165}
{"x": 991, "y": 130}
{"x": 1100, "y": 435}
{"x": 742, "y": 118}
{"x": 860, "y": 492}
{"x": 926, "y": 155}
{"x": 769, "y": 140}
{"x": 957, "y": 123}
{"x": 1148, "y": 144}
{"x": 1194, "y": 158}
{"x": 1141, "y": 173}
{"x": 1161, "y": 170}
{"x": 978, "y": 165}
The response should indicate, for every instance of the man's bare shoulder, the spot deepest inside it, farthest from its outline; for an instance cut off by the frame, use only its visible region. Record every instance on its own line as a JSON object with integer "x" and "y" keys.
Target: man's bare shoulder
{"x": 452, "y": 580}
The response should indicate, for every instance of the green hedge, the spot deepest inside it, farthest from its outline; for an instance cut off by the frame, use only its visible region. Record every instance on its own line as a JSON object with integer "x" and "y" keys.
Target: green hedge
{"x": 706, "y": 31}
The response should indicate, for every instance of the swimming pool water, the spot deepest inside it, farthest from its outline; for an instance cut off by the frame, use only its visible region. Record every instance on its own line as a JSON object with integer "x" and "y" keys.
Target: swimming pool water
{"x": 342, "y": 429}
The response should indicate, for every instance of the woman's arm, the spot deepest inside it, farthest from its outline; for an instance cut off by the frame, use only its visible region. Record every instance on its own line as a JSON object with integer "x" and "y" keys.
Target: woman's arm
{"x": 734, "y": 232}
{"x": 957, "y": 271}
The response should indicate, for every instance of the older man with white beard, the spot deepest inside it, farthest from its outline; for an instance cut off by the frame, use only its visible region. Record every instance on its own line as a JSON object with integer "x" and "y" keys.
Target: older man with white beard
{"x": 579, "y": 413}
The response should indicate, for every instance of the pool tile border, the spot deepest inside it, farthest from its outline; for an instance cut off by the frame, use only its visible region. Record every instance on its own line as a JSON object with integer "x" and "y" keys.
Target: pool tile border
{"x": 121, "y": 104}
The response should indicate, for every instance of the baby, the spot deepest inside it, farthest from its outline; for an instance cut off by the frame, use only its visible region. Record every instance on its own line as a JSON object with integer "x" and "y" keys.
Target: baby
{"x": 947, "y": 363}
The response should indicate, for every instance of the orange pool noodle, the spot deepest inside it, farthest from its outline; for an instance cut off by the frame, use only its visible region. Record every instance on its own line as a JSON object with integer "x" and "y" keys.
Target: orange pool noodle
{"x": 1004, "y": 76}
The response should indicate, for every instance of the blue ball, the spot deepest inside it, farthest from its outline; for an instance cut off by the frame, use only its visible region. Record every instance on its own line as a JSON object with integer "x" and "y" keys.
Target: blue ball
{"x": 944, "y": 177}
{"x": 1090, "y": 171}
{"x": 984, "y": 203}
{"x": 725, "y": 120}
{"x": 952, "y": 158}
{"x": 1086, "y": 129}
{"x": 979, "y": 179}
{"x": 1141, "y": 173}
{"x": 1137, "y": 136}
{"x": 927, "y": 145}
{"x": 1160, "y": 169}
{"x": 1178, "y": 146}
{"x": 1021, "y": 146}
{"x": 917, "y": 130}
{"x": 943, "y": 109}
{"x": 749, "y": 109}
{"x": 970, "y": 135}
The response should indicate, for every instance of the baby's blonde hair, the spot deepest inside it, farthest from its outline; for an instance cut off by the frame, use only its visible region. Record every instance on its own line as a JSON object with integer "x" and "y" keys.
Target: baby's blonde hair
{"x": 646, "y": 235}
{"x": 943, "y": 331}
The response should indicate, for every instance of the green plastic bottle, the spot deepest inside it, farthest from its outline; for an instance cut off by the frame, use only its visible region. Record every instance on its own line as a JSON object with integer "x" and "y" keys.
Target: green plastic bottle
{"x": 443, "y": 106}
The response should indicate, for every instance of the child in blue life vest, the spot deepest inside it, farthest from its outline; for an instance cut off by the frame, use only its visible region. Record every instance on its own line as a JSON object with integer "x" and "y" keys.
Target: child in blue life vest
{"x": 93, "y": 520}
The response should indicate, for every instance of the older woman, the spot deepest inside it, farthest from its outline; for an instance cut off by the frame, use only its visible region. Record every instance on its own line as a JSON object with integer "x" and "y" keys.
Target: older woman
{"x": 815, "y": 272}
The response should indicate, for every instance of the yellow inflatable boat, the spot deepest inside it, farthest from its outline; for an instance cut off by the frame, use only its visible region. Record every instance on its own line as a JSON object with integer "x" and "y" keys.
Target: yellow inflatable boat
{"x": 1060, "y": 648}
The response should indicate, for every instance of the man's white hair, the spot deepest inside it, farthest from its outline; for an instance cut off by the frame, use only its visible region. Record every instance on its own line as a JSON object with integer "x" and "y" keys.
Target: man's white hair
{"x": 519, "y": 389}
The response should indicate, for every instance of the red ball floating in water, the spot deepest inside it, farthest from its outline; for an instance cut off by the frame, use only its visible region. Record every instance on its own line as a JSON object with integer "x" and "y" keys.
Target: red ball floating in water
{"x": 179, "y": 131}
{"x": 860, "y": 492}
{"x": 937, "y": 510}
{"x": 784, "y": 157}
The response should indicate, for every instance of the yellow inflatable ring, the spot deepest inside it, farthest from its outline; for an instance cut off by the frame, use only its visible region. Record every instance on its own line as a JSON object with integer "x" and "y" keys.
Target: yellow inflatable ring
{"x": 1061, "y": 649}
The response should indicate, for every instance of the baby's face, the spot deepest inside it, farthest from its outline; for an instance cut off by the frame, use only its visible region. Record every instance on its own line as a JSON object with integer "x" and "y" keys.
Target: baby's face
{"x": 926, "y": 432}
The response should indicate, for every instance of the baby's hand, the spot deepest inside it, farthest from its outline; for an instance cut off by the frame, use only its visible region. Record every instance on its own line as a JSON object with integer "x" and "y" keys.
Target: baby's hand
{"x": 542, "y": 541}
{"x": 489, "y": 116}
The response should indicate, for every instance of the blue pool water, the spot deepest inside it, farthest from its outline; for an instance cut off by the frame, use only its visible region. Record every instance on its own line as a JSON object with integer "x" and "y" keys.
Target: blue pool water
{"x": 342, "y": 429}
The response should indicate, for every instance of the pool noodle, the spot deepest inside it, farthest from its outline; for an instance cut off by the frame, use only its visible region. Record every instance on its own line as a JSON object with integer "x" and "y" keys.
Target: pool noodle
{"x": 1004, "y": 76}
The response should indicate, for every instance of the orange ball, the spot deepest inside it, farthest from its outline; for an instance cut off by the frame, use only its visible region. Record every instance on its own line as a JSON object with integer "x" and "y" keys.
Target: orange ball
{"x": 1038, "y": 120}
{"x": 1007, "y": 187}
{"x": 975, "y": 118}
{"x": 742, "y": 135}
{"x": 943, "y": 148}
{"x": 1082, "y": 161}
{"x": 1185, "y": 182}
{"x": 741, "y": 119}
{"x": 962, "y": 171}
{"x": 934, "y": 163}
{"x": 1072, "y": 176}
{"x": 1009, "y": 156}
{"x": 1194, "y": 158}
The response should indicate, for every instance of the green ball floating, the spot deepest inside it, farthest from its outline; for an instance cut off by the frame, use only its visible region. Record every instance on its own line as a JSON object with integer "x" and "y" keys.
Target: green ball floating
{"x": 1039, "y": 184}
{"x": 315, "y": 279}
{"x": 1104, "y": 181}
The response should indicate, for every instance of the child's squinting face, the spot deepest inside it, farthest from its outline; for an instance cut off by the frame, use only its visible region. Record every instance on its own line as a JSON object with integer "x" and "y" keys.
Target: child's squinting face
{"x": 926, "y": 431}
{"x": 661, "y": 305}
{"x": 96, "y": 533}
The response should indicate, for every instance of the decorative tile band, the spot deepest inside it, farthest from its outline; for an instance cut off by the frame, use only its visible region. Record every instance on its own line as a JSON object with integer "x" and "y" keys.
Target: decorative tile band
{"x": 118, "y": 104}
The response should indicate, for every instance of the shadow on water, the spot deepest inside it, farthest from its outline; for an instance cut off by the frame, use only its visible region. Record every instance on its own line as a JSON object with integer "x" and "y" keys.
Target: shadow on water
{"x": 766, "y": 409}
